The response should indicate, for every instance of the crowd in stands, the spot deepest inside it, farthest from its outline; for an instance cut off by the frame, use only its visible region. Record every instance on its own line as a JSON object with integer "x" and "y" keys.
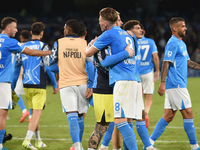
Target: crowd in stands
{"x": 156, "y": 27}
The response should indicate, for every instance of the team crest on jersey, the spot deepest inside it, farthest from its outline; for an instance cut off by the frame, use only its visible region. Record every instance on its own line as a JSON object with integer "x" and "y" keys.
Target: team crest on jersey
{"x": 169, "y": 53}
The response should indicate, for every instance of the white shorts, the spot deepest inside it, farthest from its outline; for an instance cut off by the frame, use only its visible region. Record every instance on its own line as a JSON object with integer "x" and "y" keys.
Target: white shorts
{"x": 73, "y": 99}
{"x": 148, "y": 83}
{"x": 177, "y": 99}
{"x": 139, "y": 102}
{"x": 5, "y": 96}
{"x": 19, "y": 87}
{"x": 125, "y": 99}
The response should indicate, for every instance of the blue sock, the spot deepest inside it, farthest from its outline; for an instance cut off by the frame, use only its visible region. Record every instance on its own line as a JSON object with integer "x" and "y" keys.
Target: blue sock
{"x": 74, "y": 127}
{"x": 81, "y": 126}
{"x": 190, "y": 130}
{"x": 159, "y": 129}
{"x": 108, "y": 135}
{"x": 2, "y": 132}
{"x": 143, "y": 133}
{"x": 21, "y": 103}
{"x": 128, "y": 135}
{"x": 131, "y": 125}
{"x": 30, "y": 112}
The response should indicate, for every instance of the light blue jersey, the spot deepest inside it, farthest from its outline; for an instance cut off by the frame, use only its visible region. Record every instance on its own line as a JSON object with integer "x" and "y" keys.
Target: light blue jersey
{"x": 7, "y": 61}
{"x": 117, "y": 39}
{"x": 176, "y": 53}
{"x": 34, "y": 75}
{"x": 147, "y": 47}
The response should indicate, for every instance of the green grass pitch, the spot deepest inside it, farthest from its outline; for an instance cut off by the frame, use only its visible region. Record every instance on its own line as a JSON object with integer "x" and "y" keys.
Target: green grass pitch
{"x": 54, "y": 128}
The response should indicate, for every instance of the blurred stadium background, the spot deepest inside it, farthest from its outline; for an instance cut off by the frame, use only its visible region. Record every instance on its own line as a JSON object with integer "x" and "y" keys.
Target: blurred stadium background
{"x": 153, "y": 14}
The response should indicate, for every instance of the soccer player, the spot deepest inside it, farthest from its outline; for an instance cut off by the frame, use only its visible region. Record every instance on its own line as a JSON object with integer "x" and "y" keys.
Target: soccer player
{"x": 73, "y": 79}
{"x": 149, "y": 55}
{"x": 34, "y": 82}
{"x": 24, "y": 37}
{"x": 121, "y": 76}
{"x": 8, "y": 46}
{"x": 103, "y": 98}
{"x": 174, "y": 83}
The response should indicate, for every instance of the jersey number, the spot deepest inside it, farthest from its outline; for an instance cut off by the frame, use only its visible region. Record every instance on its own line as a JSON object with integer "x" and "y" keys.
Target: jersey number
{"x": 146, "y": 48}
{"x": 129, "y": 41}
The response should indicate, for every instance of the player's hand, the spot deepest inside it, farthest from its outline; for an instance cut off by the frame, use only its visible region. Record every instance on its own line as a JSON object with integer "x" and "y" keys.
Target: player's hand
{"x": 130, "y": 33}
{"x": 56, "y": 90}
{"x": 156, "y": 75}
{"x": 161, "y": 90}
{"x": 88, "y": 93}
{"x": 130, "y": 51}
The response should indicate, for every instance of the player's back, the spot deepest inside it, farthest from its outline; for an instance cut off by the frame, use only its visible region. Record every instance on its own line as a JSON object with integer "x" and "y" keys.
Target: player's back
{"x": 147, "y": 47}
{"x": 34, "y": 73}
{"x": 72, "y": 61}
{"x": 7, "y": 46}
{"x": 125, "y": 69}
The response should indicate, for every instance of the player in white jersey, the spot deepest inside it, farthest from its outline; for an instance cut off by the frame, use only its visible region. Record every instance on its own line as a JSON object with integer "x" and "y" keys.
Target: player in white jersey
{"x": 7, "y": 47}
{"x": 174, "y": 83}
{"x": 149, "y": 56}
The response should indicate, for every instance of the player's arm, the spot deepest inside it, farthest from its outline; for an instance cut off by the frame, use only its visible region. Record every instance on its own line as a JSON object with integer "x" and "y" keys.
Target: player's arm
{"x": 53, "y": 79}
{"x": 34, "y": 52}
{"x": 157, "y": 65}
{"x": 90, "y": 73}
{"x": 17, "y": 70}
{"x": 193, "y": 65}
{"x": 111, "y": 60}
{"x": 164, "y": 72}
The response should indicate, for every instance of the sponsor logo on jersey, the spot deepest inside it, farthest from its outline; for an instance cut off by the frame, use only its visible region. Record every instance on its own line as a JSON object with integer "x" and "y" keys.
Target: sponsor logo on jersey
{"x": 129, "y": 62}
{"x": 169, "y": 53}
{"x": 2, "y": 40}
{"x": 72, "y": 53}
{"x": 1, "y": 66}
{"x": 144, "y": 63}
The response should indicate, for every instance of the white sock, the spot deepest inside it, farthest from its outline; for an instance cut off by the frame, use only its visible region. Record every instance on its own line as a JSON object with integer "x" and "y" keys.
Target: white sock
{"x": 149, "y": 147}
{"x": 194, "y": 146}
{"x": 30, "y": 116}
{"x": 90, "y": 149}
{"x": 24, "y": 110}
{"x": 151, "y": 141}
{"x": 29, "y": 134}
{"x": 37, "y": 135}
{"x": 103, "y": 146}
{"x": 77, "y": 146}
{"x": 1, "y": 146}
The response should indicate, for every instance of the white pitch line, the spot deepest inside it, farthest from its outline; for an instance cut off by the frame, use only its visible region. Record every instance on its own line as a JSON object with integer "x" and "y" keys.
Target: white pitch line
{"x": 87, "y": 126}
{"x": 53, "y": 139}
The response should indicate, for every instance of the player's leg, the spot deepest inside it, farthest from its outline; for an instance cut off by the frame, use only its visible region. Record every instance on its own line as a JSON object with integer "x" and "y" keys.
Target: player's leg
{"x": 69, "y": 99}
{"x": 116, "y": 139}
{"x": 124, "y": 97}
{"x": 161, "y": 125}
{"x": 103, "y": 108}
{"x": 5, "y": 105}
{"x": 148, "y": 90}
{"x": 36, "y": 99}
{"x": 25, "y": 113}
{"x": 107, "y": 137}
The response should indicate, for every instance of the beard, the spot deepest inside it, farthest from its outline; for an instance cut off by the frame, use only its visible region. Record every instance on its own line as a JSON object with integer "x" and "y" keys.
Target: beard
{"x": 181, "y": 34}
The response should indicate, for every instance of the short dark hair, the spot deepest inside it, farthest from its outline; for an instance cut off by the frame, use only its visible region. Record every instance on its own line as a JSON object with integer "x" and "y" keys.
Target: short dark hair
{"x": 83, "y": 30}
{"x": 142, "y": 27}
{"x": 6, "y": 21}
{"x": 130, "y": 24}
{"x": 74, "y": 25}
{"x": 0, "y": 30}
{"x": 175, "y": 20}
{"x": 37, "y": 28}
{"x": 25, "y": 34}
{"x": 109, "y": 14}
